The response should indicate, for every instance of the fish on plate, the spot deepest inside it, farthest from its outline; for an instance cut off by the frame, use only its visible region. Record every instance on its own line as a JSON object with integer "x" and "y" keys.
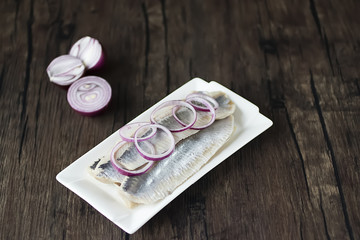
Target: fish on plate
{"x": 193, "y": 149}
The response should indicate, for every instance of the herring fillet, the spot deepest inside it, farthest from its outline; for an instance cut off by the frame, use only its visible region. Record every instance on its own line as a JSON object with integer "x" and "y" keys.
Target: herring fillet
{"x": 130, "y": 158}
{"x": 189, "y": 156}
{"x": 104, "y": 171}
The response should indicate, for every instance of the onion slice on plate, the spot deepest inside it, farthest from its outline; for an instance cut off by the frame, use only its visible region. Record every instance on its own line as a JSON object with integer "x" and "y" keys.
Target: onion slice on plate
{"x": 204, "y": 102}
{"x": 127, "y": 131}
{"x": 152, "y": 156}
{"x": 89, "y": 95}
{"x": 176, "y": 103}
{"x": 211, "y": 100}
{"x": 125, "y": 171}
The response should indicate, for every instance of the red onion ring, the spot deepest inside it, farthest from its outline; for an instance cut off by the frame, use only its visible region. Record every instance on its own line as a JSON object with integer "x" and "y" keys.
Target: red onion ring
{"x": 128, "y": 130}
{"x": 176, "y": 103}
{"x": 204, "y": 96}
{"x": 127, "y": 172}
{"x": 211, "y": 109}
{"x": 89, "y": 95}
{"x": 151, "y": 156}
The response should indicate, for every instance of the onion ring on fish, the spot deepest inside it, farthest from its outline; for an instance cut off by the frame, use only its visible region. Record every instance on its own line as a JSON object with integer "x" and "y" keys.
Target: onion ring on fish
{"x": 207, "y": 104}
{"x": 152, "y": 156}
{"x": 127, "y": 172}
{"x": 211, "y": 100}
{"x": 176, "y": 103}
{"x": 128, "y": 130}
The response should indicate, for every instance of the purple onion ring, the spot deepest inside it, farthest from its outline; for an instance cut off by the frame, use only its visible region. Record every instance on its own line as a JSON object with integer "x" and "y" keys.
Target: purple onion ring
{"x": 204, "y": 96}
{"x": 176, "y": 103}
{"x": 152, "y": 156}
{"x": 124, "y": 132}
{"x": 210, "y": 108}
{"x": 127, "y": 172}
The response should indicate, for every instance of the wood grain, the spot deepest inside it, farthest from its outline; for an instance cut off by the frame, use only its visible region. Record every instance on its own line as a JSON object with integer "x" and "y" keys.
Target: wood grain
{"x": 297, "y": 60}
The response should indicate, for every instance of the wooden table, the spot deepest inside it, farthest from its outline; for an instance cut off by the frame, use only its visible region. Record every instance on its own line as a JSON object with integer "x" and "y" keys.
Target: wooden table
{"x": 299, "y": 61}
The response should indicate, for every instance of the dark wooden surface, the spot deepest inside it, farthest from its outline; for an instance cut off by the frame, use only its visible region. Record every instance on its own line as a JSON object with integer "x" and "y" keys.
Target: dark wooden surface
{"x": 299, "y": 61}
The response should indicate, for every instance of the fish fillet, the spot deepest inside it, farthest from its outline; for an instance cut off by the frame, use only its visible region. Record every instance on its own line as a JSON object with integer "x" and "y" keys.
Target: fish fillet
{"x": 128, "y": 154}
{"x": 189, "y": 156}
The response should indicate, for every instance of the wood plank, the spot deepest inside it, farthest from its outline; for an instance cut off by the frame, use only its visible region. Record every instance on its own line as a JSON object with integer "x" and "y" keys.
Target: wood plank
{"x": 298, "y": 61}
{"x": 338, "y": 103}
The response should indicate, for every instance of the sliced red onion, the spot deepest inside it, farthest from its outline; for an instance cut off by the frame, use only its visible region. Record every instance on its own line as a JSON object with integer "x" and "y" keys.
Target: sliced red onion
{"x": 89, "y": 50}
{"x": 125, "y": 171}
{"x": 210, "y": 108}
{"x": 152, "y": 156}
{"x": 65, "y": 70}
{"x": 127, "y": 131}
{"x": 176, "y": 103}
{"x": 89, "y": 95}
{"x": 211, "y": 100}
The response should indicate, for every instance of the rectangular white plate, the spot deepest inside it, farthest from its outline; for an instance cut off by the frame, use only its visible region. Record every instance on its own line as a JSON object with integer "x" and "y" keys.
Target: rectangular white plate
{"x": 249, "y": 123}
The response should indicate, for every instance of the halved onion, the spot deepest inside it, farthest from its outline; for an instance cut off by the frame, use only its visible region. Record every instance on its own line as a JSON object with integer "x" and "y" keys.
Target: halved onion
{"x": 65, "y": 70}
{"x": 89, "y": 95}
{"x": 89, "y": 50}
{"x": 211, "y": 100}
{"x": 125, "y": 171}
{"x": 176, "y": 103}
{"x": 152, "y": 156}
{"x": 127, "y": 131}
{"x": 204, "y": 102}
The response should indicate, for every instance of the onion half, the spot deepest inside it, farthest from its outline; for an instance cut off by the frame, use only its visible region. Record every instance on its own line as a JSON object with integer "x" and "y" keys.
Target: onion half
{"x": 65, "y": 70}
{"x": 89, "y": 50}
{"x": 89, "y": 95}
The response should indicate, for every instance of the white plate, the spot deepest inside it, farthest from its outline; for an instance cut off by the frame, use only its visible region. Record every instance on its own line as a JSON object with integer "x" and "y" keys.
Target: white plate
{"x": 249, "y": 124}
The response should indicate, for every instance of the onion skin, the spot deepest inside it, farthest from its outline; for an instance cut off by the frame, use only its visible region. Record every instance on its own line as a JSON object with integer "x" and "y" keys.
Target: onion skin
{"x": 65, "y": 69}
{"x": 92, "y": 114}
{"x": 89, "y": 95}
{"x": 90, "y": 51}
{"x": 100, "y": 63}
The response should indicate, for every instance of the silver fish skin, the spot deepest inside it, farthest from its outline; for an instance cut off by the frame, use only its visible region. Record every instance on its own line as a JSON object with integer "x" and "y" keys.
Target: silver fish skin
{"x": 189, "y": 156}
{"x": 226, "y": 106}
